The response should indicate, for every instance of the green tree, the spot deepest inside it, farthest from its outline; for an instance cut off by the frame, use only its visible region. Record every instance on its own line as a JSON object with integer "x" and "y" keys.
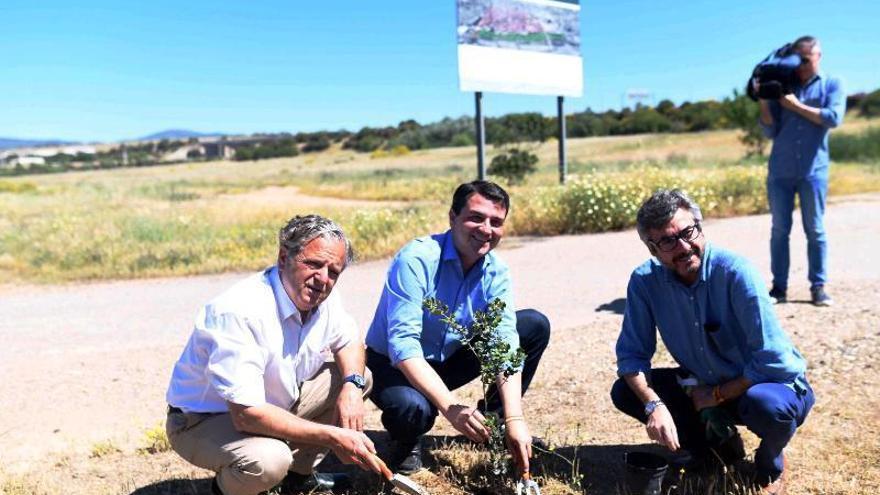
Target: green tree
{"x": 743, "y": 113}
{"x": 870, "y": 104}
{"x": 513, "y": 165}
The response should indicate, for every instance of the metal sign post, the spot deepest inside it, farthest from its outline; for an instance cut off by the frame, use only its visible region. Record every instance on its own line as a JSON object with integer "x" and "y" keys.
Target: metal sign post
{"x": 560, "y": 115}
{"x": 481, "y": 137}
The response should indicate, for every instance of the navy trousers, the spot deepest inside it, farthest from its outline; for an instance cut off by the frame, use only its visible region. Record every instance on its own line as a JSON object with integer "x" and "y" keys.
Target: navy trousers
{"x": 407, "y": 414}
{"x": 772, "y": 411}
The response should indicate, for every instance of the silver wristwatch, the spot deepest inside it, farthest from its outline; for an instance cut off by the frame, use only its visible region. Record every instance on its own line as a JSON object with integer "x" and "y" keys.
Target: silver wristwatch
{"x": 651, "y": 406}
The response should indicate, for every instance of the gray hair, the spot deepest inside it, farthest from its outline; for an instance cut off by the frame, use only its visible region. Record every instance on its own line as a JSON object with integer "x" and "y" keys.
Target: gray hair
{"x": 301, "y": 230}
{"x": 659, "y": 209}
{"x": 805, "y": 42}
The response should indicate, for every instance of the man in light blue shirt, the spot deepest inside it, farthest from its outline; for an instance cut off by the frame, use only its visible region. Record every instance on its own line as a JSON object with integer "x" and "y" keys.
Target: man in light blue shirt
{"x": 799, "y": 123}
{"x": 418, "y": 361}
{"x": 715, "y": 318}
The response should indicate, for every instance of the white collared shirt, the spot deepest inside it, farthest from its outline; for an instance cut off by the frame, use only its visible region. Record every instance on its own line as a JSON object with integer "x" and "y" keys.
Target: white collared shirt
{"x": 249, "y": 346}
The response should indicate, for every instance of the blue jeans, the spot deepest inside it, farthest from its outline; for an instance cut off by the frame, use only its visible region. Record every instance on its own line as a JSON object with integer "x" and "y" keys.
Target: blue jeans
{"x": 772, "y": 411}
{"x": 407, "y": 414}
{"x": 780, "y": 193}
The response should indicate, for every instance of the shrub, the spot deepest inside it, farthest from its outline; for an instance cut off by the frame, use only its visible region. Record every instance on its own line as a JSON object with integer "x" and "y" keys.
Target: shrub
{"x": 316, "y": 143}
{"x": 862, "y": 147}
{"x": 870, "y": 104}
{"x": 598, "y": 201}
{"x": 156, "y": 441}
{"x": 513, "y": 165}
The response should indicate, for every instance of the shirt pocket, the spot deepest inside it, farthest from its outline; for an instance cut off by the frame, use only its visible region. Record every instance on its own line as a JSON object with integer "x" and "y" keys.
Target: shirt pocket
{"x": 721, "y": 336}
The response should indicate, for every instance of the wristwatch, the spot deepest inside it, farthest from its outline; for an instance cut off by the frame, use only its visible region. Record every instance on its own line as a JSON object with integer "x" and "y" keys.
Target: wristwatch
{"x": 652, "y": 405}
{"x": 358, "y": 380}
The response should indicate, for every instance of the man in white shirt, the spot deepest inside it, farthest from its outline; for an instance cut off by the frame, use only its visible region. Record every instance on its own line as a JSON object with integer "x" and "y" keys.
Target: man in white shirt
{"x": 254, "y": 394}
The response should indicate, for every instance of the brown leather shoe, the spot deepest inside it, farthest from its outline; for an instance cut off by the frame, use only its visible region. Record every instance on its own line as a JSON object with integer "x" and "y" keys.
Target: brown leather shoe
{"x": 777, "y": 487}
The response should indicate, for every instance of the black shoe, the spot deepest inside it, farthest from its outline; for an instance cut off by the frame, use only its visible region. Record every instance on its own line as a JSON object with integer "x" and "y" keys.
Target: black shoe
{"x": 315, "y": 482}
{"x": 777, "y": 295}
{"x": 819, "y": 297}
{"x": 405, "y": 457}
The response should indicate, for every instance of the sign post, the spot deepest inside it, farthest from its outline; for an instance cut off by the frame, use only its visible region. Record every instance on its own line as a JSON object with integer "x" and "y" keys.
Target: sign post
{"x": 481, "y": 137}
{"x": 523, "y": 47}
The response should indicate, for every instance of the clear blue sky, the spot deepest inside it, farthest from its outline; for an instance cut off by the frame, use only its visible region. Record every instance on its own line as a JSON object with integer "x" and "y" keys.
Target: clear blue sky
{"x": 94, "y": 70}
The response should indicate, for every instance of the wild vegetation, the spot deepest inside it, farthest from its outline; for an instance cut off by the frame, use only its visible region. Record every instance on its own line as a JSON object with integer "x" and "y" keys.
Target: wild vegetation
{"x": 221, "y": 216}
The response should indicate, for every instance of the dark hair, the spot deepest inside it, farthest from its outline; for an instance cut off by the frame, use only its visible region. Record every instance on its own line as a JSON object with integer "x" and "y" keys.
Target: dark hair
{"x": 489, "y": 190}
{"x": 659, "y": 209}
{"x": 301, "y": 230}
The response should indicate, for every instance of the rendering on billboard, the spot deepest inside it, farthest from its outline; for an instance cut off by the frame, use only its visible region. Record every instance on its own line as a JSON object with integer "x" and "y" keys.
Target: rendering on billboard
{"x": 520, "y": 46}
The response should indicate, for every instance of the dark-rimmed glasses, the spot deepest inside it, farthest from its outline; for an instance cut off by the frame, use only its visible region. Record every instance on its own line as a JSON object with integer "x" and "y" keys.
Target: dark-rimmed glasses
{"x": 686, "y": 234}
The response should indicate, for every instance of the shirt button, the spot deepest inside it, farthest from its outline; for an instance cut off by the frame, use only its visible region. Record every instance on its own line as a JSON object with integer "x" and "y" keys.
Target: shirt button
{"x": 710, "y": 372}
{"x": 696, "y": 324}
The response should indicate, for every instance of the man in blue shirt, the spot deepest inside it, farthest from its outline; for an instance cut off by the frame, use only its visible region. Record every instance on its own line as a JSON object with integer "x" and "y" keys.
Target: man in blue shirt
{"x": 799, "y": 123}
{"x": 715, "y": 318}
{"x": 418, "y": 361}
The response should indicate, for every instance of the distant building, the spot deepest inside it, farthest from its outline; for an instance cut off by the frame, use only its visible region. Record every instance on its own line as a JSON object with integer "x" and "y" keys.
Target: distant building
{"x": 10, "y": 160}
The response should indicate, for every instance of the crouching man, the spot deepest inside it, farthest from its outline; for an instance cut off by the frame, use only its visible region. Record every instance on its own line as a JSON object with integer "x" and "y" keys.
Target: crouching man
{"x": 715, "y": 317}
{"x": 254, "y": 396}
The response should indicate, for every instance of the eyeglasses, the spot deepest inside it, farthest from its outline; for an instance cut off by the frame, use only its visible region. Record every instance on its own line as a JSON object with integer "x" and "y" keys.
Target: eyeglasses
{"x": 686, "y": 234}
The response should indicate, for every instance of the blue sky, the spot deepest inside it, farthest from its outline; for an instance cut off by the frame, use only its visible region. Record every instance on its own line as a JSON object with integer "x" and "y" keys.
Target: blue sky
{"x": 100, "y": 71}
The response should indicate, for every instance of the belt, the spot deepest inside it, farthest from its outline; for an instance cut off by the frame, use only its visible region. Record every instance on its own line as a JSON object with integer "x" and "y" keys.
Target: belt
{"x": 174, "y": 410}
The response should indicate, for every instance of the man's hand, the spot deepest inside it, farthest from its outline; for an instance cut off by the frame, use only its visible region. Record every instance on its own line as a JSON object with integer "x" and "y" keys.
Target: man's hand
{"x": 519, "y": 443}
{"x": 468, "y": 421}
{"x": 661, "y": 428}
{"x": 703, "y": 397}
{"x": 350, "y": 407}
{"x": 790, "y": 101}
{"x": 353, "y": 447}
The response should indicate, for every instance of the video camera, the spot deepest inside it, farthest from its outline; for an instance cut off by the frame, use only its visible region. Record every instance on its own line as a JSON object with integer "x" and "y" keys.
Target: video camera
{"x": 776, "y": 75}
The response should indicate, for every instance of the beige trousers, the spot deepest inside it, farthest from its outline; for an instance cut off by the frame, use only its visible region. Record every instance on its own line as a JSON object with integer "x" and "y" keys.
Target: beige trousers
{"x": 249, "y": 464}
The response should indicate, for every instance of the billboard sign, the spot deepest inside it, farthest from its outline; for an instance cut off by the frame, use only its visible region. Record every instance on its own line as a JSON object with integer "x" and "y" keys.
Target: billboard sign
{"x": 520, "y": 46}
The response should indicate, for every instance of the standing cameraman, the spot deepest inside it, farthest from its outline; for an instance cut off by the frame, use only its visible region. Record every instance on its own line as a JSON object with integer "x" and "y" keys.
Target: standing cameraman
{"x": 798, "y": 123}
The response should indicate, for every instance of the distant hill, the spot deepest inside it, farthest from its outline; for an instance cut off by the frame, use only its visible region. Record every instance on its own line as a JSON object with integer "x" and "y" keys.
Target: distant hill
{"x": 7, "y": 143}
{"x": 173, "y": 134}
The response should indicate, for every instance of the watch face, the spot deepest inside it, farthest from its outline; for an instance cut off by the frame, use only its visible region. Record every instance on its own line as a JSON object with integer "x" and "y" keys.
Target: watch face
{"x": 358, "y": 380}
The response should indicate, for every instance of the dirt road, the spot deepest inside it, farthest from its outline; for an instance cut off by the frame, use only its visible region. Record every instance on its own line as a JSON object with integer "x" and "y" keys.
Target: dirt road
{"x": 82, "y": 364}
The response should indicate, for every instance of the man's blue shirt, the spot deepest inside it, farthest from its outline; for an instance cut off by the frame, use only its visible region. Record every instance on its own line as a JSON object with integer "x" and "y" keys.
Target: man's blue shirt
{"x": 800, "y": 147}
{"x": 720, "y": 328}
{"x": 430, "y": 267}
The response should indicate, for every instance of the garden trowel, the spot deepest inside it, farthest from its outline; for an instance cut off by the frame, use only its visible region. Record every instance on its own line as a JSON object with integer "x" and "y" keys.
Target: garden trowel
{"x": 401, "y": 482}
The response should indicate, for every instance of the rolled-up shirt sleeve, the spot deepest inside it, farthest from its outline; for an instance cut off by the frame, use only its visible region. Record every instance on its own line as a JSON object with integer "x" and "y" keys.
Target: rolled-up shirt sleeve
{"x": 405, "y": 288}
{"x": 236, "y": 362}
{"x": 638, "y": 336}
{"x": 772, "y": 359}
{"x": 835, "y": 104}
